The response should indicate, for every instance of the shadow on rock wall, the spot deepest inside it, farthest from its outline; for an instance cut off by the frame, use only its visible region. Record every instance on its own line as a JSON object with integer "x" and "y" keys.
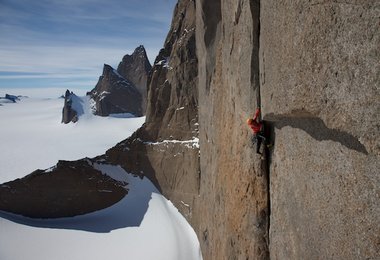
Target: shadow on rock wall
{"x": 317, "y": 129}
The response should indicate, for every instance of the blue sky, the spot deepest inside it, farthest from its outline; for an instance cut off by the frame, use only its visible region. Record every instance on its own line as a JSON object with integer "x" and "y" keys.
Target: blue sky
{"x": 64, "y": 43}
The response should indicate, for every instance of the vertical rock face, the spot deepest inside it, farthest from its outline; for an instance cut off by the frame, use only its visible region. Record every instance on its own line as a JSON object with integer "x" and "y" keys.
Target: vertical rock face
{"x": 319, "y": 67}
{"x": 114, "y": 94}
{"x": 312, "y": 68}
{"x": 172, "y": 86}
{"x": 233, "y": 203}
{"x": 136, "y": 68}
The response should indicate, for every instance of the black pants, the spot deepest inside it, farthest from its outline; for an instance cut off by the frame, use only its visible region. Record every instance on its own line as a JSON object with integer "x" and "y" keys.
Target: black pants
{"x": 258, "y": 139}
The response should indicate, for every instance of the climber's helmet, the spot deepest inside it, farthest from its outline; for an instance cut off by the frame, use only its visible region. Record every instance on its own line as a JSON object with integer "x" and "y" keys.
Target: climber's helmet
{"x": 249, "y": 121}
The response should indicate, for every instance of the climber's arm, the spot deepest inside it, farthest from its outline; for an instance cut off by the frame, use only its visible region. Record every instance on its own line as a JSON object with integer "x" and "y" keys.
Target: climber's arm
{"x": 257, "y": 113}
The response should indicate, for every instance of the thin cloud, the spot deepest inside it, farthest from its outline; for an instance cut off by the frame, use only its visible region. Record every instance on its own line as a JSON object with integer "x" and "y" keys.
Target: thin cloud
{"x": 27, "y": 75}
{"x": 66, "y": 39}
{"x": 40, "y": 58}
{"x": 79, "y": 11}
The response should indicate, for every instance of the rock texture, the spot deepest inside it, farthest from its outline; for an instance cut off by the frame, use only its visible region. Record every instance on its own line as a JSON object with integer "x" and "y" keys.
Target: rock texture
{"x": 233, "y": 192}
{"x": 319, "y": 64}
{"x": 136, "y": 68}
{"x": 69, "y": 114}
{"x": 68, "y": 189}
{"x": 114, "y": 94}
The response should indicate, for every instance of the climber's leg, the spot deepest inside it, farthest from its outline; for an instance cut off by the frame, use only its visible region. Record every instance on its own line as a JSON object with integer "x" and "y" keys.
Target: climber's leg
{"x": 259, "y": 141}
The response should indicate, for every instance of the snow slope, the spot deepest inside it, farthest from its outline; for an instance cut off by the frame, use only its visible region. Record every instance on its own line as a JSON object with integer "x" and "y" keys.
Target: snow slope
{"x": 144, "y": 225}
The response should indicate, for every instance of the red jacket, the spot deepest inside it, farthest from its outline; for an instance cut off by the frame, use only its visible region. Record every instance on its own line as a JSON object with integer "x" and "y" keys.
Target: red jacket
{"x": 256, "y": 125}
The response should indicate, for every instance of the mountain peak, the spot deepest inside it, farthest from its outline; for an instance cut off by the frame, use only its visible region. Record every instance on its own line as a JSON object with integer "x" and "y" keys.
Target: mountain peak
{"x": 139, "y": 54}
{"x": 72, "y": 108}
{"x": 140, "y": 49}
{"x": 107, "y": 69}
{"x": 115, "y": 94}
{"x": 136, "y": 68}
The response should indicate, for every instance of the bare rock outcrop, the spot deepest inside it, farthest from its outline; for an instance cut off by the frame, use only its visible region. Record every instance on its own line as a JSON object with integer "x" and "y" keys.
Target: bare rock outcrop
{"x": 69, "y": 114}
{"x": 12, "y": 98}
{"x": 114, "y": 94}
{"x": 136, "y": 68}
{"x": 123, "y": 90}
{"x": 68, "y": 189}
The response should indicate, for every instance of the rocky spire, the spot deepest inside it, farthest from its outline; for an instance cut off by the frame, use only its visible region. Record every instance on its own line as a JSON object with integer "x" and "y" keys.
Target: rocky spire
{"x": 136, "y": 68}
{"x": 115, "y": 94}
{"x": 68, "y": 113}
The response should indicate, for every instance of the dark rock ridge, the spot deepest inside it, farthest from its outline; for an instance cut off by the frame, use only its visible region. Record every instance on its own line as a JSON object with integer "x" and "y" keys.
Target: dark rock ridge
{"x": 114, "y": 94}
{"x": 68, "y": 189}
{"x": 12, "y": 98}
{"x": 123, "y": 90}
{"x": 136, "y": 68}
{"x": 69, "y": 114}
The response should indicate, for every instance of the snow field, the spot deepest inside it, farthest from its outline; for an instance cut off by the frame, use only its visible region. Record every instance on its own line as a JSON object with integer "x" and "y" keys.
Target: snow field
{"x": 33, "y": 137}
{"x": 143, "y": 225}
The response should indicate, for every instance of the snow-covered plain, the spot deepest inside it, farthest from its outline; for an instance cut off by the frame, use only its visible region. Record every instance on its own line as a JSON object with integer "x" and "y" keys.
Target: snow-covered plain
{"x": 143, "y": 225}
{"x": 32, "y": 136}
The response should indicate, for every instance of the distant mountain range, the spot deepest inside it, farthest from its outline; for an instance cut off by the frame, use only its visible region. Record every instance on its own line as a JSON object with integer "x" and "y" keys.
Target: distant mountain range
{"x": 9, "y": 99}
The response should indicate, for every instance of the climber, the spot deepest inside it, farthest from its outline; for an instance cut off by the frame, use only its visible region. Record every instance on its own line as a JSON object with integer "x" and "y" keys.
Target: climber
{"x": 258, "y": 132}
